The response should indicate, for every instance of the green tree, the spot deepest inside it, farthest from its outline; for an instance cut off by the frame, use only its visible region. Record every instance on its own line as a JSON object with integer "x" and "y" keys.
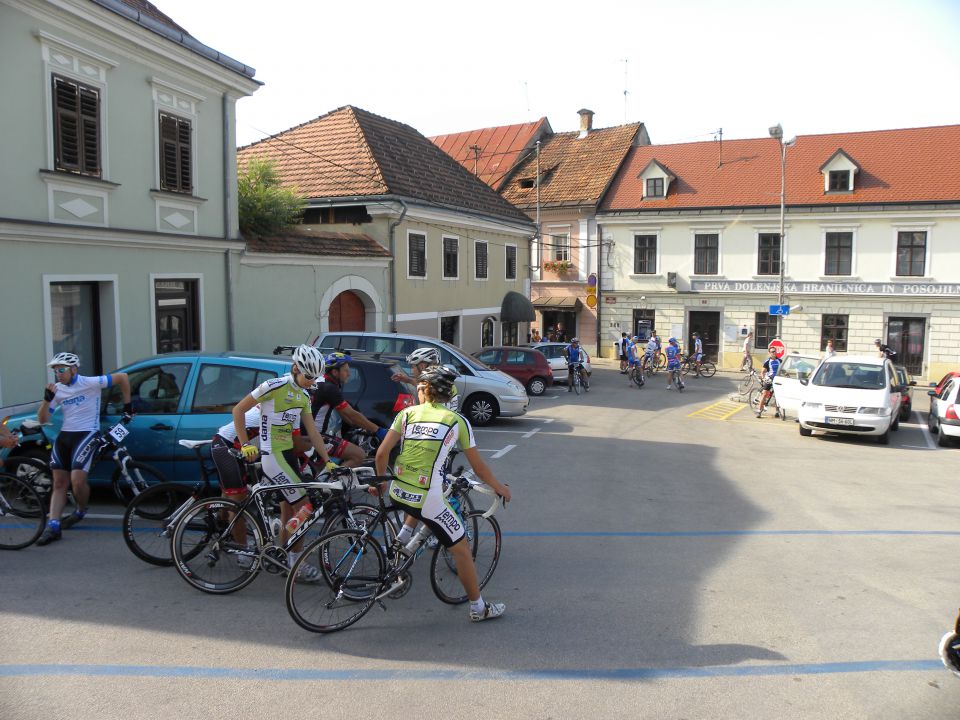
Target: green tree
{"x": 266, "y": 206}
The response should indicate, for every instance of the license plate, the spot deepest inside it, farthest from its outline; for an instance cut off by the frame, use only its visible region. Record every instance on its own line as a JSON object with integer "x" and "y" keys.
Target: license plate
{"x": 839, "y": 421}
{"x": 118, "y": 432}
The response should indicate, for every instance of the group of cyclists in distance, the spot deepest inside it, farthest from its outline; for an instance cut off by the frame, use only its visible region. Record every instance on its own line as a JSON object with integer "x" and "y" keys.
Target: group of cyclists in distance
{"x": 292, "y": 424}
{"x": 638, "y": 359}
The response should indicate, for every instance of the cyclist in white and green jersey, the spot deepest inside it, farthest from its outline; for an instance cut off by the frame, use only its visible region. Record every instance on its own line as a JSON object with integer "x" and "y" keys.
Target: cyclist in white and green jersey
{"x": 284, "y": 406}
{"x": 427, "y": 433}
{"x": 420, "y": 360}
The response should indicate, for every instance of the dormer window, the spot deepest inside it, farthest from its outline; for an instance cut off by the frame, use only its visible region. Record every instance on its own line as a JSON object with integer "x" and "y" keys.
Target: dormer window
{"x": 527, "y": 183}
{"x": 838, "y": 173}
{"x": 656, "y": 181}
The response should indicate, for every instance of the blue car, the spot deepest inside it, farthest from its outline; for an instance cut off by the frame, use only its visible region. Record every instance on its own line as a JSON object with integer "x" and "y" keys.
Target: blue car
{"x": 175, "y": 396}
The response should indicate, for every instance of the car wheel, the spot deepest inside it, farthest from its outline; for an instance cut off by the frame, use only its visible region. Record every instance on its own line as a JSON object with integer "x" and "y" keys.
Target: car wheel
{"x": 805, "y": 432}
{"x": 895, "y": 425}
{"x": 942, "y": 439}
{"x": 885, "y": 438}
{"x": 537, "y": 386}
{"x": 480, "y": 409}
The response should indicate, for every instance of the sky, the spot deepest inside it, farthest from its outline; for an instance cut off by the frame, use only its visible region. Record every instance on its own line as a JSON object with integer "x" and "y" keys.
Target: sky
{"x": 685, "y": 68}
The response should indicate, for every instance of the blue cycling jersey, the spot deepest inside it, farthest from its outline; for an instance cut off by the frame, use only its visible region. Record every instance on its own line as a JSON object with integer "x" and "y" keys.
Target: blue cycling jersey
{"x": 673, "y": 357}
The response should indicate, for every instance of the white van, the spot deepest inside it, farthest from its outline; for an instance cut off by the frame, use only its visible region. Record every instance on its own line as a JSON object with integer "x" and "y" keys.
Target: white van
{"x": 852, "y": 395}
{"x": 486, "y": 393}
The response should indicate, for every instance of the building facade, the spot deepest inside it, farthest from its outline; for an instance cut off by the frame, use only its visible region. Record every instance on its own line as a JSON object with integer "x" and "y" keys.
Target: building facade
{"x": 118, "y": 214}
{"x": 871, "y": 233}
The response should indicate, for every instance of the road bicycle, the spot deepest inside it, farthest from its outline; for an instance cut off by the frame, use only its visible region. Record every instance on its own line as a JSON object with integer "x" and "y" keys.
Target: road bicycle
{"x": 360, "y": 570}
{"x": 754, "y": 399}
{"x": 130, "y": 478}
{"x": 219, "y": 545}
{"x": 579, "y": 377}
{"x": 750, "y": 381}
{"x": 635, "y": 375}
{"x": 22, "y": 513}
{"x": 705, "y": 368}
{"x": 675, "y": 378}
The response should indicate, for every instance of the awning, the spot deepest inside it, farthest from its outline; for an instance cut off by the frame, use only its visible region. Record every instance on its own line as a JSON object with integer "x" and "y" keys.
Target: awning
{"x": 564, "y": 303}
{"x": 516, "y": 308}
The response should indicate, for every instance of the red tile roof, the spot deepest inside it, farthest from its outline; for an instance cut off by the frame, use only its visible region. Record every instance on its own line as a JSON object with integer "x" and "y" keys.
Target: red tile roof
{"x": 575, "y": 171}
{"x": 306, "y": 240}
{"x": 353, "y": 153}
{"x": 896, "y": 166}
{"x": 497, "y": 148}
{"x": 151, "y": 10}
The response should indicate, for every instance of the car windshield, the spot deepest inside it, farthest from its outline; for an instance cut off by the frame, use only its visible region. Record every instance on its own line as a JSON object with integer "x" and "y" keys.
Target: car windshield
{"x": 463, "y": 357}
{"x": 861, "y": 376}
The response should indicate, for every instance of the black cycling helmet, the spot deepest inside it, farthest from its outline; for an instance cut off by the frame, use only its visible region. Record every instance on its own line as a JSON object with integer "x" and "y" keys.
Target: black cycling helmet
{"x": 335, "y": 360}
{"x": 440, "y": 379}
{"x": 950, "y": 652}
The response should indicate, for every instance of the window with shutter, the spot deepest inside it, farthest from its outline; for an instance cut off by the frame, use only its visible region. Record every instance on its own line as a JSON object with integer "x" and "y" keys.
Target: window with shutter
{"x": 176, "y": 154}
{"x": 417, "y": 255}
{"x": 480, "y": 264}
{"x": 511, "y": 262}
{"x": 451, "y": 259}
{"x": 76, "y": 127}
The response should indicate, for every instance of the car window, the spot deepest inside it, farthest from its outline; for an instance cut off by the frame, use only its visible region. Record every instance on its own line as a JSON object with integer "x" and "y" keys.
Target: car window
{"x": 797, "y": 368}
{"x": 355, "y": 383}
{"x": 447, "y": 350}
{"x": 344, "y": 342}
{"x": 220, "y": 387}
{"x": 490, "y": 357}
{"x": 947, "y": 389}
{"x": 389, "y": 345}
{"x": 154, "y": 390}
{"x": 849, "y": 374}
{"x": 518, "y": 357}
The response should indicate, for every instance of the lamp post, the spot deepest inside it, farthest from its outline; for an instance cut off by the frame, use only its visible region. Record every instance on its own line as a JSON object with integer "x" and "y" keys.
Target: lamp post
{"x": 776, "y": 132}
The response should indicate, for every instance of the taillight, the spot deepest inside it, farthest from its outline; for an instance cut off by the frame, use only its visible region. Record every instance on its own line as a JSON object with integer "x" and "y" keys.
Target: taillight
{"x": 404, "y": 400}
{"x": 951, "y": 413}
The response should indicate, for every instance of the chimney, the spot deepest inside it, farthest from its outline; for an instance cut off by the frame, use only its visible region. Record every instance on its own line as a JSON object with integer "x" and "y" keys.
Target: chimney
{"x": 586, "y": 122}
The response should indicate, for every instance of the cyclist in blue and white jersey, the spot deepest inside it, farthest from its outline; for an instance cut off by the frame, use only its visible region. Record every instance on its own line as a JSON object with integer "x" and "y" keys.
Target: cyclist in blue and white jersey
{"x": 576, "y": 358}
{"x": 653, "y": 345}
{"x": 76, "y": 444}
{"x": 770, "y": 368}
{"x": 672, "y": 352}
{"x": 697, "y": 354}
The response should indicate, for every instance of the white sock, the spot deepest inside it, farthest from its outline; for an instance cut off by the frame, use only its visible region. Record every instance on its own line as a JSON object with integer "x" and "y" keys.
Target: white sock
{"x": 292, "y": 558}
{"x": 477, "y": 605}
{"x": 406, "y": 532}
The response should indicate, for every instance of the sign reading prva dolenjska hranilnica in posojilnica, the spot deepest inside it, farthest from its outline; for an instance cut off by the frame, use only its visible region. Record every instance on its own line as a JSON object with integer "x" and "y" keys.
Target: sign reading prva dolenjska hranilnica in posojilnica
{"x": 827, "y": 288}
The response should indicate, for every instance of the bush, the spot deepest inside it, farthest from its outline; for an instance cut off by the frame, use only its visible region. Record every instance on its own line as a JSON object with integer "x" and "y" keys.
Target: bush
{"x": 266, "y": 207}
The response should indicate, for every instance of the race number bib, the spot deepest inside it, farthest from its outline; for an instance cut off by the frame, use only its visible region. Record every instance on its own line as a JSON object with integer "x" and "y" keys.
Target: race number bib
{"x": 118, "y": 432}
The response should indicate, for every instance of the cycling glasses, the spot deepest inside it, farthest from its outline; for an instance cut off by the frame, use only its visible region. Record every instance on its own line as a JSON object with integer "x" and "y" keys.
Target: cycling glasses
{"x": 61, "y": 370}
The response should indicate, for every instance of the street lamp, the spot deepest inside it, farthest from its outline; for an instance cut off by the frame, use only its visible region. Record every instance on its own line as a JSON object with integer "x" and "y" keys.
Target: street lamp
{"x": 776, "y": 132}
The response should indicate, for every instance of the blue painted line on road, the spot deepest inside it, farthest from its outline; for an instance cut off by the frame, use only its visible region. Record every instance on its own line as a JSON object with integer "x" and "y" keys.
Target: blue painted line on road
{"x": 301, "y": 674}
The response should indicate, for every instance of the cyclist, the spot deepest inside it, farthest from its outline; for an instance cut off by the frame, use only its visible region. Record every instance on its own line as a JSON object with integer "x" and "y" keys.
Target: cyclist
{"x": 328, "y": 407}
{"x": 622, "y": 346}
{"x": 427, "y": 432}
{"x": 76, "y": 444}
{"x": 673, "y": 362}
{"x": 421, "y": 359}
{"x": 230, "y": 471}
{"x": 697, "y": 355}
{"x": 633, "y": 359}
{"x": 284, "y": 406}
{"x": 653, "y": 347}
{"x": 770, "y": 367}
{"x": 576, "y": 357}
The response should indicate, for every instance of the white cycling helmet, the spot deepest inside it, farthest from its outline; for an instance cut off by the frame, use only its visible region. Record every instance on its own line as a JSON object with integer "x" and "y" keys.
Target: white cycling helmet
{"x": 950, "y": 652}
{"x": 309, "y": 361}
{"x": 428, "y": 355}
{"x": 64, "y": 358}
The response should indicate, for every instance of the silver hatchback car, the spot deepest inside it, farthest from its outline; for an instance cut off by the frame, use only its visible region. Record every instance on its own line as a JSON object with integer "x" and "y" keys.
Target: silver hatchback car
{"x": 558, "y": 363}
{"x": 486, "y": 393}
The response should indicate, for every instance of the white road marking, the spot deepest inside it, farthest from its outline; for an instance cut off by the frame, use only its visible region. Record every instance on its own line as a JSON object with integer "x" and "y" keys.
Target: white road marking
{"x": 531, "y": 433}
{"x": 501, "y": 453}
{"x": 102, "y": 516}
{"x": 516, "y": 432}
{"x": 926, "y": 433}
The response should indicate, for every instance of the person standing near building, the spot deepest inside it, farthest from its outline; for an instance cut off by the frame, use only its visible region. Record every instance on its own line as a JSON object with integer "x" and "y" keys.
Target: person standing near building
{"x": 75, "y": 447}
{"x": 829, "y": 352}
{"x": 747, "y": 362}
{"x": 535, "y": 336}
{"x": 622, "y": 345}
{"x": 884, "y": 350}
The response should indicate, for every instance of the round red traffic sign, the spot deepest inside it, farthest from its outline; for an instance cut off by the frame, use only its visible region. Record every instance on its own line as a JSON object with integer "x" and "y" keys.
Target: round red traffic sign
{"x": 778, "y": 347}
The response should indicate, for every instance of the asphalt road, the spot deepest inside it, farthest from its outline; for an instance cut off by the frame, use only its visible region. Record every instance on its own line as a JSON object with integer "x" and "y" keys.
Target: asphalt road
{"x": 665, "y": 556}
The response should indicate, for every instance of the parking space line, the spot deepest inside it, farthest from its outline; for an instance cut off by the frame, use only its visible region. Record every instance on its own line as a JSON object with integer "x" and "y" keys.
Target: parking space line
{"x": 501, "y": 453}
{"x": 926, "y": 432}
{"x": 531, "y": 433}
{"x": 721, "y": 410}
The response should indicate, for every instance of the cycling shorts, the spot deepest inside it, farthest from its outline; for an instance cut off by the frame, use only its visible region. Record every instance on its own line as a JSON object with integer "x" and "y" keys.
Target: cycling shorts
{"x": 229, "y": 467}
{"x": 437, "y": 514}
{"x": 698, "y": 356}
{"x": 279, "y": 469}
{"x": 673, "y": 365}
{"x": 334, "y": 444}
{"x": 75, "y": 450}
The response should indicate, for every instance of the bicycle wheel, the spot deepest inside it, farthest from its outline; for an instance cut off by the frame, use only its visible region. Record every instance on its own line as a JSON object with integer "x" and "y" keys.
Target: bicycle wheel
{"x": 708, "y": 369}
{"x": 150, "y": 519}
{"x": 141, "y": 475}
{"x": 353, "y": 569}
{"x": 485, "y": 539}
{"x": 576, "y": 382}
{"x": 746, "y": 385}
{"x": 637, "y": 377}
{"x": 680, "y": 383}
{"x": 209, "y": 560}
{"x": 754, "y": 398}
{"x": 21, "y": 513}
{"x": 659, "y": 362}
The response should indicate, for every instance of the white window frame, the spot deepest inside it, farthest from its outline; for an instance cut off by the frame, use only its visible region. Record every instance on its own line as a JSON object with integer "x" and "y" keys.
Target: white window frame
{"x": 201, "y": 312}
{"x": 475, "y": 244}
{"x": 443, "y": 257}
{"x": 853, "y": 230}
{"x": 928, "y": 256}
{"x": 112, "y": 290}
{"x": 516, "y": 262}
{"x": 174, "y": 100}
{"x": 633, "y": 252}
{"x": 693, "y": 251}
{"x": 426, "y": 253}
{"x": 556, "y": 247}
{"x": 493, "y": 339}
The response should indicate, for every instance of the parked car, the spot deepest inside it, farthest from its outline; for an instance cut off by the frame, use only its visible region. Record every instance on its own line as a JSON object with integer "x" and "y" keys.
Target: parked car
{"x": 558, "y": 363}
{"x": 527, "y": 365}
{"x": 852, "y": 395}
{"x": 485, "y": 393}
{"x": 788, "y": 384}
{"x": 943, "y": 418}
{"x": 906, "y": 401}
{"x": 189, "y": 396}
{"x": 942, "y": 384}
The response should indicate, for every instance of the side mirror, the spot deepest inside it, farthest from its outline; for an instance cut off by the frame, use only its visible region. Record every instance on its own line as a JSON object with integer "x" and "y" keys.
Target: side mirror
{"x": 805, "y": 381}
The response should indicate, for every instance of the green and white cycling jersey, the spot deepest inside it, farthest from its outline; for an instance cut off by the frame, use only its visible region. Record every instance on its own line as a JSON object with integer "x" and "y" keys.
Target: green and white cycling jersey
{"x": 428, "y": 433}
{"x": 454, "y": 402}
{"x": 281, "y": 402}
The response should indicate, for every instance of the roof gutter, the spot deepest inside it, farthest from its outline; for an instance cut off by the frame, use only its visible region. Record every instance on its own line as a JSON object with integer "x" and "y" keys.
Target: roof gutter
{"x": 177, "y": 36}
{"x": 393, "y": 266}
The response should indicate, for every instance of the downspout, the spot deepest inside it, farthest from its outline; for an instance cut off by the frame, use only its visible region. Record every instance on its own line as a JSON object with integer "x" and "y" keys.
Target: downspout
{"x": 393, "y": 266}
{"x": 599, "y": 285}
{"x": 228, "y": 198}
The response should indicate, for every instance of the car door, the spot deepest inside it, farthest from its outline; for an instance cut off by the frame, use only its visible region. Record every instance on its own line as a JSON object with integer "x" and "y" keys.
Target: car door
{"x": 220, "y": 384}
{"x": 787, "y": 387}
{"x": 157, "y": 394}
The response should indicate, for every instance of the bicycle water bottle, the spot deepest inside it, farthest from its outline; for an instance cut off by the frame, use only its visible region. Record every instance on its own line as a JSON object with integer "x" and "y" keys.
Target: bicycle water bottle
{"x": 302, "y": 514}
{"x": 455, "y": 504}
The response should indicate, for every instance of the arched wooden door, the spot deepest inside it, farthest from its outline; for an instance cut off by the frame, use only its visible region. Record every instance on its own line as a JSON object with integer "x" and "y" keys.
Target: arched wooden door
{"x": 347, "y": 312}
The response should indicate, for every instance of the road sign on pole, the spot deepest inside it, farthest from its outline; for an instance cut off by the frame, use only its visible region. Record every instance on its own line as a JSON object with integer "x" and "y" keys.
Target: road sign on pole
{"x": 779, "y": 309}
{"x": 777, "y": 346}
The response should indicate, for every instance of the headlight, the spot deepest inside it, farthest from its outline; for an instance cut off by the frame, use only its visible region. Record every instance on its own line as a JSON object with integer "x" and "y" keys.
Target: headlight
{"x": 882, "y": 411}
{"x": 813, "y": 405}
